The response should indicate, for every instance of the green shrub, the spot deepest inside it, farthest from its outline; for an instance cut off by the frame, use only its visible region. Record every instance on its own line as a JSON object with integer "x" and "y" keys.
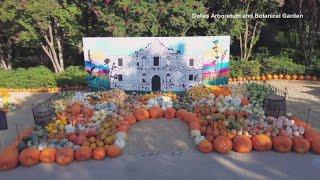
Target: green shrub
{"x": 281, "y": 64}
{"x": 240, "y": 68}
{"x": 41, "y": 76}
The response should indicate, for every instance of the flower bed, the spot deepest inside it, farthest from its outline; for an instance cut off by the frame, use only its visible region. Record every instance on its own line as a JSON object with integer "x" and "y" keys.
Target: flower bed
{"x": 95, "y": 125}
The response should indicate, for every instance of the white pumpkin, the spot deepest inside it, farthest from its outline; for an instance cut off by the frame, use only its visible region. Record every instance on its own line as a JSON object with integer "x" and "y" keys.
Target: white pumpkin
{"x": 199, "y": 139}
{"x": 296, "y": 133}
{"x": 121, "y": 135}
{"x": 289, "y": 131}
{"x": 195, "y": 133}
{"x": 120, "y": 142}
{"x": 295, "y": 127}
{"x": 301, "y": 130}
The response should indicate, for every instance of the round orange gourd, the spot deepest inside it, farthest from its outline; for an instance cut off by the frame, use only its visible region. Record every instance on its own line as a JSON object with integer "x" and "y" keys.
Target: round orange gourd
{"x": 194, "y": 125}
{"x": 9, "y": 159}
{"x": 242, "y": 144}
{"x": 169, "y": 113}
{"x": 181, "y": 113}
{"x": 141, "y": 114}
{"x": 155, "y": 112}
{"x": 315, "y": 145}
{"x": 114, "y": 151}
{"x": 300, "y": 145}
{"x": 124, "y": 123}
{"x": 87, "y": 112}
{"x": 48, "y": 155}
{"x": 282, "y": 144}
{"x": 65, "y": 156}
{"x": 245, "y": 101}
{"x": 210, "y": 138}
{"x": 99, "y": 153}
{"x": 122, "y": 128}
{"x": 222, "y": 144}
{"x": 189, "y": 116}
{"x": 83, "y": 154}
{"x": 311, "y": 134}
{"x": 130, "y": 118}
{"x": 261, "y": 142}
{"x": 76, "y": 108}
{"x": 205, "y": 146}
{"x": 29, "y": 156}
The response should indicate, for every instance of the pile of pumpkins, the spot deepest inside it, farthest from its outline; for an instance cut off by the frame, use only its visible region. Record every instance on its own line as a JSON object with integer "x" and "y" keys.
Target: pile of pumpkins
{"x": 216, "y": 122}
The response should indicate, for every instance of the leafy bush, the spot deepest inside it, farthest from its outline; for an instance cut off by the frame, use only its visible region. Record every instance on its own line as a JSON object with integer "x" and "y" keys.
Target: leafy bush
{"x": 281, "y": 64}
{"x": 245, "y": 68}
{"x": 41, "y": 76}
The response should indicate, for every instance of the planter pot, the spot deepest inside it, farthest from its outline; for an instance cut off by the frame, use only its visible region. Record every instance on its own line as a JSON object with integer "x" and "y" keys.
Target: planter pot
{"x": 300, "y": 77}
{"x": 275, "y": 76}
{"x": 269, "y": 76}
{"x": 307, "y": 77}
{"x": 294, "y": 77}
{"x": 287, "y": 77}
{"x": 281, "y": 76}
{"x": 314, "y": 78}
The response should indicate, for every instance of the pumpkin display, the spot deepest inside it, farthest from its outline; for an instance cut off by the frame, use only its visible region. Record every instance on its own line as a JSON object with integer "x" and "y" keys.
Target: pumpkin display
{"x": 205, "y": 146}
{"x": 222, "y": 145}
{"x": 169, "y": 113}
{"x": 181, "y": 113}
{"x": 48, "y": 155}
{"x": 300, "y": 145}
{"x": 29, "y": 156}
{"x": 242, "y": 144}
{"x": 9, "y": 159}
{"x": 282, "y": 144}
{"x": 261, "y": 142}
{"x": 141, "y": 114}
{"x": 155, "y": 112}
{"x": 114, "y": 151}
{"x": 65, "y": 156}
{"x": 315, "y": 145}
{"x": 83, "y": 154}
{"x": 98, "y": 153}
{"x": 130, "y": 118}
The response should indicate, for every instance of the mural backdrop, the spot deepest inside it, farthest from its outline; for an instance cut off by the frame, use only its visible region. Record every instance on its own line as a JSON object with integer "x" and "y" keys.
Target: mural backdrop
{"x": 156, "y": 63}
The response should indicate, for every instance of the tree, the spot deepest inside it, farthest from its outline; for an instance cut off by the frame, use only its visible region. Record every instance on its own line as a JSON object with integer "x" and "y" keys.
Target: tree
{"x": 245, "y": 29}
{"x": 144, "y": 18}
{"x": 51, "y": 24}
{"x": 8, "y": 31}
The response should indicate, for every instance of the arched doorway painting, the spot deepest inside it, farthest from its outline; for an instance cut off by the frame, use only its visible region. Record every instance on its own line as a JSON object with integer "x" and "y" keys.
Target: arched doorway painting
{"x": 156, "y": 83}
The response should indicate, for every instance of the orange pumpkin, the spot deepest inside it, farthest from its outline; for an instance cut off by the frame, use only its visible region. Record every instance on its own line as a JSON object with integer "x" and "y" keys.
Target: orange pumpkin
{"x": 169, "y": 113}
{"x": 311, "y": 134}
{"x": 141, "y": 114}
{"x": 29, "y": 156}
{"x": 181, "y": 113}
{"x": 245, "y": 101}
{"x": 99, "y": 153}
{"x": 122, "y": 128}
{"x": 308, "y": 77}
{"x": 130, "y": 118}
{"x": 242, "y": 144}
{"x": 287, "y": 77}
{"x": 282, "y": 144}
{"x": 210, "y": 138}
{"x": 155, "y": 112}
{"x": 261, "y": 142}
{"x": 205, "y": 146}
{"x": 294, "y": 77}
{"x": 300, "y": 77}
{"x": 114, "y": 151}
{"x": 275, "y": 76}
{"x": 222, "y": 144}
{"x": 300, "y": 145}
{"x": 76, "y": 108}
{"x": 269, "y": 77}
{"x": 48, "y": 155}
{"x": 65, "y": 156}
{"x": 314, "y": 78}
{"x": 189, "y": 116}
{"x": 106, "y": 147}
{"x": 194, "y": 125}
{"x": 315, "y": 145}
{"x": 124, "y": 123}
{"x": 83, "y": 154}
{"x": 87, "y": 112}
{"x": 9, "y": 159}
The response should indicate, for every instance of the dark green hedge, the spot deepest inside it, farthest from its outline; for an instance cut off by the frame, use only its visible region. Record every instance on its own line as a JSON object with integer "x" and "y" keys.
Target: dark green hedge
{"x": 41, "y": 77}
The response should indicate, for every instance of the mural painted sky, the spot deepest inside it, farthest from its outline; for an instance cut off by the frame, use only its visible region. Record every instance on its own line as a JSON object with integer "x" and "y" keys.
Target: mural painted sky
{"x": 213, "y": 50}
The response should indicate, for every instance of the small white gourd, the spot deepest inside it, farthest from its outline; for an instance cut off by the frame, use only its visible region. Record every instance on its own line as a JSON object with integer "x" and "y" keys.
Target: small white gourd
{"x": 121, "y": 135}
{"x": 199, "y": 139}
{"x": 296, "y": 133}
{"x": 195, "y": 133}
{"x": 120, "y": 142}
{"x": 295, "y": 127}
{"x": 301, "y": 130}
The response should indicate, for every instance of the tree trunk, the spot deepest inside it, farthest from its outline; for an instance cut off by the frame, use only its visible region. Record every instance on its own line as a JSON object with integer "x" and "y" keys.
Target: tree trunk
{"x": 49, "y": 48}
